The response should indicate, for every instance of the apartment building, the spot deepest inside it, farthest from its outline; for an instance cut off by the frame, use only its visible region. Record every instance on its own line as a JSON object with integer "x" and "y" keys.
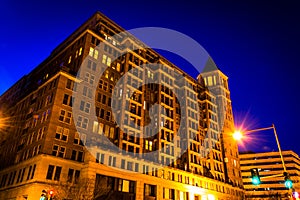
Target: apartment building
{"x": 110, "y": 131}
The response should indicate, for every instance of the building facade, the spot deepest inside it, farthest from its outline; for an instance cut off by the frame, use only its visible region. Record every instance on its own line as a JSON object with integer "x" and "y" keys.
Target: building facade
{"x": 93, "y": 122}
{"x": 269, "y": 165}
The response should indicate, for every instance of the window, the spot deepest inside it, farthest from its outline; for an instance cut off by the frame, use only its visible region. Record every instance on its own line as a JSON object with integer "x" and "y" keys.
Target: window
{"x": 70, "y": 84}
{"x": 118, "y": 67}
{"x": 82, "y": 122}
{"x": 18, "y": 178}
{"x": 29, "y": 172}
{"x": 47, "y": 114}
{"x": 67, "y": 100}
{"x": 70, "y": 59}
{"x": 38, "y": 149}
{"x": 50, "y": 172}
{"x": 73, "y": 176}
{"x": 33, "y": 171}
{"x": 49, "y": 99}
{"x": 89, "y": 78}
{"x": 77, "y": 175}
{"x": 87, "y": 92}
{"x": 84, "y": 106}
{"x": 58, "y": 151}
{"x": 80, "y": 156}
{"x": 106, "y": 60}
{"x": 122, "y": 164}
{"x": 100, "y": 158}
{"x": 210, "y": 81}
{"x": 112, "y": 161}
{"x": 103, "y": 99}
{"x": 41, "y": 133}
{"x": 65, "y": 116}
{"x": 148, "y": 145}
{"x": 70, "y": 175}
{"x": 102, "y": 113}
{"x": 129, "y": 166}
{"x": 169, "y": 193}
{"x": 91, "y": 65}
{"x": 136, "y": 169}
{"x": 62, "y": 133}
{"x": 80, "y": 138}
{"x": 107, "y": 116}
{"x": 93, "y": 53}
{"x": 150, "y": 190}
{"x": 77, "y": 155}
{"x": 57, "y": 173}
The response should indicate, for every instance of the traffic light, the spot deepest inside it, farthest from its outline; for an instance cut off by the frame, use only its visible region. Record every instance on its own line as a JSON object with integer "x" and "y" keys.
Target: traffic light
{"x": 51, "y": 194}
{"x": 43, "y": 195}
{"x": 255, "y": 179}
{"x": 296, "y": 195}
{"x": 287, "y": 180}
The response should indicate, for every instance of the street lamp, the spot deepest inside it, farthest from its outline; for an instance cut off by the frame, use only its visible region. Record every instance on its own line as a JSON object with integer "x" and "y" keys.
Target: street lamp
{"x": 288, "y": 183}
{"x": 237, "y": 135}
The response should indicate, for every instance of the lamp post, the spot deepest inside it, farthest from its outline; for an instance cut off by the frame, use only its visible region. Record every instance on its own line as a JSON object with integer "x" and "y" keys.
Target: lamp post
{"x": 238, "y": 136}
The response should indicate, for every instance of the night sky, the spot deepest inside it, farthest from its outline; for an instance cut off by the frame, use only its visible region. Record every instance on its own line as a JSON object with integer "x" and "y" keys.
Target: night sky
{"x": 255, "y": 43}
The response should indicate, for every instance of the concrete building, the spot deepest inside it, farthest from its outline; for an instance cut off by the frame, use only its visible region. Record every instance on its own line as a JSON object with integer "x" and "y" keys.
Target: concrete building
{"x": 84, "y": 133}
{"x": 270, "y": 164}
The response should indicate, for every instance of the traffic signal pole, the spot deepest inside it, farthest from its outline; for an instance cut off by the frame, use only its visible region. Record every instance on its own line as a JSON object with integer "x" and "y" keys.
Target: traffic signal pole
{"x": 288, "y": 183}
{"x": 279, "y": 148}
{"x": 277, "y": 141}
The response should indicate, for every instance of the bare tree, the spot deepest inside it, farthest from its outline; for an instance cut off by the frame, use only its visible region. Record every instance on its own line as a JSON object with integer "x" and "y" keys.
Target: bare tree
{"x": 84, "y": 189}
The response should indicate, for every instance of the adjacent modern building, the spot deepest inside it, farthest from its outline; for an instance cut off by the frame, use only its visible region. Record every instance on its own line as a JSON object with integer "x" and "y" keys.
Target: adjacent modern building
{"x": 93, "y": 122}
{"x": 271, "y": 170}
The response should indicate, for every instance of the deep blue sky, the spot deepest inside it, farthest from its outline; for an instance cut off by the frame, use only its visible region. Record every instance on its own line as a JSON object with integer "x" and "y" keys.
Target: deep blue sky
{"x": 255, "y": 43}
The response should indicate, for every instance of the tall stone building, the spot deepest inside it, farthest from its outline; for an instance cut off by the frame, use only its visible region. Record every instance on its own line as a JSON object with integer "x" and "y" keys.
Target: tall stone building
{"x": 129, "y": 124}
{"x": 217, "y": 83}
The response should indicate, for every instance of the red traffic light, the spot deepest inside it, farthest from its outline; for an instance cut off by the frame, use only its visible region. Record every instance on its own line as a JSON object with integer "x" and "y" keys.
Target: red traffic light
{"x": 51, "y": 192}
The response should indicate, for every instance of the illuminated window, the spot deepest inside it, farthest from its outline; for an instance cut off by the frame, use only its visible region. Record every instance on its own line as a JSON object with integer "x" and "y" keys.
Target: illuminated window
{"x": 104, "y": 57}
{"x": 106, "y": 60}
{"x": 70, "y": 59}
{"x": 93, "y": 53}
{"x": 106, "y": 74}
{"x": 101, "y": 127}
{"x": 148, "y": 145}
{"x": 209, "y": 81}
{"x": 80, "y": 51}
{"x": 95, "y": 127}
{"x": 118, "y": 67}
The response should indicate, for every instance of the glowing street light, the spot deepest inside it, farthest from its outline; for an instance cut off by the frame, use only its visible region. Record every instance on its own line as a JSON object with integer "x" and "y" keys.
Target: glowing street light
{"x": 237, "y": 135}
{"x": 276, "y": 137}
